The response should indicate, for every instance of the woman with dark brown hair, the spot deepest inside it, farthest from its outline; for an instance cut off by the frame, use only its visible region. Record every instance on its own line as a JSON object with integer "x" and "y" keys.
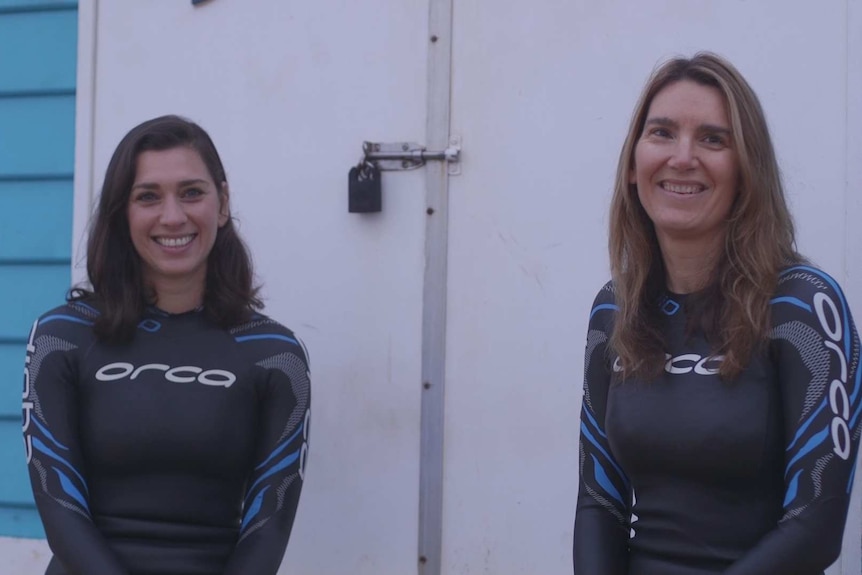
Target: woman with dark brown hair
{"x": 720, "y": 419}
{"x": 165, "y": 418}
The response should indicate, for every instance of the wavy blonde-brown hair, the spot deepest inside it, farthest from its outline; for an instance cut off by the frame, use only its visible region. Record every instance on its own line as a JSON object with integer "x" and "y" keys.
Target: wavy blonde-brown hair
{"x": 733, "y": 308}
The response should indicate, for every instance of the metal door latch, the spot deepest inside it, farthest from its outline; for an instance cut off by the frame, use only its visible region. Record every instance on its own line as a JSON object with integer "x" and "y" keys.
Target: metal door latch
{"x": 400, "y": 156}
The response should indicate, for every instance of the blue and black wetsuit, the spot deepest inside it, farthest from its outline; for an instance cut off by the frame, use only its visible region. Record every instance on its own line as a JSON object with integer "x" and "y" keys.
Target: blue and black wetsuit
{"x": 180, "y": 452}
{"x": 692, "y": 475}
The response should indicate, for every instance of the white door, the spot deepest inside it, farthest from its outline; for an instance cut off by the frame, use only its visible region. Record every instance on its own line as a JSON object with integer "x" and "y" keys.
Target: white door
{"x": 289, "y": 91}
{"x": 542, "y": 96}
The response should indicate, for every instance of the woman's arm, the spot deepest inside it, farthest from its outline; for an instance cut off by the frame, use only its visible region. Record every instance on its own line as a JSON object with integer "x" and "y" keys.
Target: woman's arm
{"x": 602, "y": 516}
{"x": 50, "y": 418}
{"x": 274, "y": 487}
{"x": 817, "y": 353}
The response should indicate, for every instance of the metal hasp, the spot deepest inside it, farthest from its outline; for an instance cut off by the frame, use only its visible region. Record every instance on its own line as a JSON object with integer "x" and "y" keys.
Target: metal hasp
{"x": 399, "y": 156}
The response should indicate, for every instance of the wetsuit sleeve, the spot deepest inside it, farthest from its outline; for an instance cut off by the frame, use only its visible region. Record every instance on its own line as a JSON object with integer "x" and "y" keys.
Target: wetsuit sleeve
{"x": 53, "y": 454}
{"x": 601, "y": 520}
{"x": 276, "y": 480}
{"x": 816, "y": 352}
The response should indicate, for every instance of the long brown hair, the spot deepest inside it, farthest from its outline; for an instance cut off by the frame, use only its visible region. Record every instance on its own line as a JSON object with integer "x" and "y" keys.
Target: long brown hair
{"x": 113, "y": 264}
{"x": 733, "y": 309}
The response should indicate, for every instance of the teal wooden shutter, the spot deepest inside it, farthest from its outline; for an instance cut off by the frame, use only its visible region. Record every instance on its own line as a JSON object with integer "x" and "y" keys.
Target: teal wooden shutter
{"x": 38, "y": 52}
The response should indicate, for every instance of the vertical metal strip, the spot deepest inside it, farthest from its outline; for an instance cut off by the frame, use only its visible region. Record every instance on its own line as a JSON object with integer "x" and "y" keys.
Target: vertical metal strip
{"x": 85, "y": 133}
{"x": 434, "y": 290}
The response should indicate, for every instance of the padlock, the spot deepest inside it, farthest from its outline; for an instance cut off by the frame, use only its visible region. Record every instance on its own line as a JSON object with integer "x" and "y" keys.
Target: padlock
{"x": 364, "y": 192}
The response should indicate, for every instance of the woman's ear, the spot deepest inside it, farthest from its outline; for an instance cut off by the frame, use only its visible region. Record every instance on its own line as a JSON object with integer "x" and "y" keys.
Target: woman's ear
{"x": 224, "y": 205}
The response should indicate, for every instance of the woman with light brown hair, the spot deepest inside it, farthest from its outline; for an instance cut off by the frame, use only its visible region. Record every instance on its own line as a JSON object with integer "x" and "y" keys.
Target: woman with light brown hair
{"x": 720, "y": 420}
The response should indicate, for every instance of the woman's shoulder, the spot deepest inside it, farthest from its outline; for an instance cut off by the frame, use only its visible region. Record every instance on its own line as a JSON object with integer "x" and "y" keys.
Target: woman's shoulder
{"x": 260, "y": 323}
{"x": 604, "y": 308}
{"x": 74, "y": 312}
{"x": 809, "y": 295}
{"x": 605, "y": 298}
{"x": 804, "y": 282}
{"x": 71, "y": 322}
{"x": 269, "y": 333}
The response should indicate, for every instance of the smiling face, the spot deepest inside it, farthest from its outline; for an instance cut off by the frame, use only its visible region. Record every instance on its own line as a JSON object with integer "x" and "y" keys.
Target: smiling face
{"x": 685, "y": 164}
{"x": 175, "y": 210}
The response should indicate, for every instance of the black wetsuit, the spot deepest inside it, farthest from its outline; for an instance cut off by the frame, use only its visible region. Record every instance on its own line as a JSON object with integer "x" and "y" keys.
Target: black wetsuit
{"x": 689, "y": 475}
{"x": 182, "y": 452}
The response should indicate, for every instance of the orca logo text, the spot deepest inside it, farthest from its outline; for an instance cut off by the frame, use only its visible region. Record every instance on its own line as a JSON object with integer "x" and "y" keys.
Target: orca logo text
{"x": 182, "y": 374}
{"x": 686, "y": 363}
{"x": 839, "y": 403}
{"x": 27, "y": 405}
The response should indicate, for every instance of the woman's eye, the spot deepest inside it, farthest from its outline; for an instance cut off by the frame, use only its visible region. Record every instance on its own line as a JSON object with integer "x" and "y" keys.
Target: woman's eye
{"x": 660, "y": 132}
{"x": 146, "y": 197}
{"x": 192, "y": 193}
{"x": 714, "y": 140}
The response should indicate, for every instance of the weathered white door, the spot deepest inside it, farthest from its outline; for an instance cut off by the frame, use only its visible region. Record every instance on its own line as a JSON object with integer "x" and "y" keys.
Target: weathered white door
{"x": 542, "y": 96}
{"x": 289, "y": 91}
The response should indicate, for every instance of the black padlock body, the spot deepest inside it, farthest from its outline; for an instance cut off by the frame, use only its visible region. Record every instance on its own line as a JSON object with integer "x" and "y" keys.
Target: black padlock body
{"x": 364, "y": 193}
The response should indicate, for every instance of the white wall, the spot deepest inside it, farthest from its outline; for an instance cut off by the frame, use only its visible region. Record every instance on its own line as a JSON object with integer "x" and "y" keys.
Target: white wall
{"x": 542, "y": 96}
{"x": 542, "y": 93}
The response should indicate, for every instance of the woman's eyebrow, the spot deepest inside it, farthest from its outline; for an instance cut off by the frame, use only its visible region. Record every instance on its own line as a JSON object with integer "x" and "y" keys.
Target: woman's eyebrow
{"x": 661, "y": 121}
{"x": 668, "y": 123}
{"x": 182, "y": 183}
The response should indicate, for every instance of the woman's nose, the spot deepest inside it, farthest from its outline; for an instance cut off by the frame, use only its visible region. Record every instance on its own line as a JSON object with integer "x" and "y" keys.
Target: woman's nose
{"x": 172, "y": 211}
{"x": 683, "y": 156}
